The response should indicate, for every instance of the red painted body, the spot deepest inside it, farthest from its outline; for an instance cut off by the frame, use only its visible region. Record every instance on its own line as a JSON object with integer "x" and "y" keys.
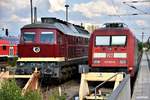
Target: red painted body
{"x": 70, "y": 46}
{"x": 7, "y": 49}
{"x": 109, "y": 61}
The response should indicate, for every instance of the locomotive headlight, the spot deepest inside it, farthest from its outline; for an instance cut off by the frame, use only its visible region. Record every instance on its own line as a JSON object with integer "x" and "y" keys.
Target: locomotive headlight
{"x": 36, "y": 49}
{"x": 123, "y": 61}
{"x": 95, "y": 61}
{"x": 130, "y": 68}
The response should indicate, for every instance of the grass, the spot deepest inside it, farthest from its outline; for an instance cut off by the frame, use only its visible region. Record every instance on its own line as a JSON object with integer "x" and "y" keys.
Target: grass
{"x": 55, "y": 96}
{"x": 11, "y": 91}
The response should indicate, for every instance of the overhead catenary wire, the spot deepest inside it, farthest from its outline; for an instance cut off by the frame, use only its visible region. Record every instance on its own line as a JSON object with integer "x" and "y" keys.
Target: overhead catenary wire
{"x": 135, "y": 8}
{"x": 133, "y": 14}
{"x": 113, "y": 4}
{"x": 144, "y": 1}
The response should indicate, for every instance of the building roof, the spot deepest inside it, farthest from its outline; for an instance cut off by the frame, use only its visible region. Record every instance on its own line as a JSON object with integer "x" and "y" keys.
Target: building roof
{"x": 9, "y": 40}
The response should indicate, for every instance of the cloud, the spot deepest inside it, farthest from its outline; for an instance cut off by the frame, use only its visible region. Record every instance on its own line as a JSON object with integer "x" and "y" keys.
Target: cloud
{"x": 94, "y": 8}
{"x": 13, "y": 21}
{"x": 140, "y": 22}
{"x": 139, "y": 2}
{"x": 57, "y": 5}
{"x": 16, "y": 18}
{"x": 14, "y": 5}
{"x": 10, "y": 7}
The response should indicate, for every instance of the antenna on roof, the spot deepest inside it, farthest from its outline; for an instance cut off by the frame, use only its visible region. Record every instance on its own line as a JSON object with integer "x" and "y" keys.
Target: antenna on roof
{"x": 31, "y": 11}
{"x": 35, "y": 14}
{"x": 67, "y": 6}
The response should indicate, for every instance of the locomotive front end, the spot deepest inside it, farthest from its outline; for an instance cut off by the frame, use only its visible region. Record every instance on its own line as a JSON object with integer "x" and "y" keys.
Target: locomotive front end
{"x": 113, "y": 49}
{"x": 38, "y": 48}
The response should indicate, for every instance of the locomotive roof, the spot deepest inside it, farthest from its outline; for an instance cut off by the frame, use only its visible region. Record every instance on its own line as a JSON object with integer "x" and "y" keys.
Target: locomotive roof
{"x": 113, "y": 27}
{"x": 69, "y": 29}
{"x": 123, "y": 30}
{"x": 39, "y": 25}
{"x": 117, "y": 28}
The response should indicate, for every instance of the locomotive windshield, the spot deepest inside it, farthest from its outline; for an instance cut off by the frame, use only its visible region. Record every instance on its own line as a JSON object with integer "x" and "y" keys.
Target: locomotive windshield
{"x": 102, "y": 40}
{"x": 110, "y": 40}
{"x": 47, "y": 37}
{"x": 118, "y": 40}
{"x": 28, "y": 36}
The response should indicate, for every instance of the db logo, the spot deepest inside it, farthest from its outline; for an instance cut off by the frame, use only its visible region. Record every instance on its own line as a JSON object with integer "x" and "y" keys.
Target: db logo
{"x": 36, "y": 49}
{"x": 109, "y": 55}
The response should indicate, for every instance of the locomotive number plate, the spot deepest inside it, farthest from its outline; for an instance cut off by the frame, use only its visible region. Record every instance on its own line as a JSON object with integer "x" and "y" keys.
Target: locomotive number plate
{"x": 109, "y": 55}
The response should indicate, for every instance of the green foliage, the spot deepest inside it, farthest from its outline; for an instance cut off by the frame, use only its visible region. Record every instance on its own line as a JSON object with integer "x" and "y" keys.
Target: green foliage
{"x": 55, "y": 96}
{"x": 33, "y": 95}
{"x": 12, "y": 61}
{"x": 10, "y": 91}
{"x": 140, "y": 46}
{"x": 147, "y": 45}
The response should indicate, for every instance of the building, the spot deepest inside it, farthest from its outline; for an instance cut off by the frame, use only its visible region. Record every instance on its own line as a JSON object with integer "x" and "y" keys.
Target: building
{"x": 90, "y": 27}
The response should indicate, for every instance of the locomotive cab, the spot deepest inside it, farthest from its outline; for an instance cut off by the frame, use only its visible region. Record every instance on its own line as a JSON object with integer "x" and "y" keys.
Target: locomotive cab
{"x": 40, "y": 48}
{"x": 106, "y": 47}
{"x": 45, "y": 37}
{"x": 112, "y": 49}
{"x": 39, "y": 43}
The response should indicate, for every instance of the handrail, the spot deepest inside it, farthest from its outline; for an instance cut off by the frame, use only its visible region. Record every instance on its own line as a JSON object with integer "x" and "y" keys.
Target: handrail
{"x": 104, "y": 83}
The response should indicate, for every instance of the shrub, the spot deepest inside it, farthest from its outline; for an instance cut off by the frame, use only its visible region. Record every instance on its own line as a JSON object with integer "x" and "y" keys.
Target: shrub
{"x": 55, "y": 96}
{"x": 12, "y": 61}
{"x": 33, "y": 95}
{"x": 10, "y": 91}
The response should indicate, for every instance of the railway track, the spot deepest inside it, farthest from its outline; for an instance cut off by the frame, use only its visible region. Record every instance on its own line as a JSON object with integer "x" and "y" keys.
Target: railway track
{"x": 65, "y": 90}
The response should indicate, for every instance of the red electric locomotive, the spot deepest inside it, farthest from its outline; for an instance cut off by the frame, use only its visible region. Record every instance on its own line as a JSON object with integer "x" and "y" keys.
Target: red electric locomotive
{"x": 114, "y": 48}
{"x": 54, "y": 46}
{"x": 8, "y": 48}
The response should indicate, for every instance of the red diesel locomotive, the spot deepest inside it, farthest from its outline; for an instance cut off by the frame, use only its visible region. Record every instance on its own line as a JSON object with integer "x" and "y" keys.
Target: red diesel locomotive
{"x": 114, "y": 48}
{"x": 54, "y": 46}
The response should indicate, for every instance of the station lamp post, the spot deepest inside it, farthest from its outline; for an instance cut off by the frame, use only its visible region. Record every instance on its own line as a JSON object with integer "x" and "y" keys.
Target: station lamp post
{"x": 142, "y": 37}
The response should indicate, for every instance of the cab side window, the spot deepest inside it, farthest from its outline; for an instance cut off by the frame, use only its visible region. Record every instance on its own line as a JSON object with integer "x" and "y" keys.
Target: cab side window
{"x": 4, "y": 47}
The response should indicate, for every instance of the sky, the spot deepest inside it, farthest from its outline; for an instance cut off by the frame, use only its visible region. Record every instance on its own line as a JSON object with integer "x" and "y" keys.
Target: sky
{"x": 14, "y": 14}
